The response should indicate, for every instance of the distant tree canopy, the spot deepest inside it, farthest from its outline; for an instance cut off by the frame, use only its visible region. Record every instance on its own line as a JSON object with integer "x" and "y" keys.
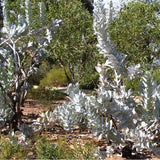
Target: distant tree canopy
{"x": 75, "y": 46}
{"x": 136, "y": 31}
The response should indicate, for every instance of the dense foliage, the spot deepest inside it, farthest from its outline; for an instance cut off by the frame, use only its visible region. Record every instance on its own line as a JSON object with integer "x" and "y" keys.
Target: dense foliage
{"x": 135, "y": 31}
{"x": 75, "y": 46}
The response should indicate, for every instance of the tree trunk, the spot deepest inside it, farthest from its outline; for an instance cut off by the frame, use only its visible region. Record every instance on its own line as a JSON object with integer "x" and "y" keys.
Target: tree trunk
{"x": 65, "y": 72}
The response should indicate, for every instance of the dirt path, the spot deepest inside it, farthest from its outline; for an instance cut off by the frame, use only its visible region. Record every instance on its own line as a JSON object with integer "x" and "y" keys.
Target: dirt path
{"x": 33, "y": 108}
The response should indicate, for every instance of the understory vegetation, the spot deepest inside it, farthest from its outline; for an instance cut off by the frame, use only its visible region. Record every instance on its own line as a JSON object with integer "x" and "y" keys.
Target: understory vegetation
{"x": 42, "y": 93}
{"x": 43, "y": 147}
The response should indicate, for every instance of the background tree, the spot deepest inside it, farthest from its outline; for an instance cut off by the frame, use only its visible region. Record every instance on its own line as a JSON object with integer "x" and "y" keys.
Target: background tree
{"x": 136, "y": 31}
{"x": 75, "y": 45}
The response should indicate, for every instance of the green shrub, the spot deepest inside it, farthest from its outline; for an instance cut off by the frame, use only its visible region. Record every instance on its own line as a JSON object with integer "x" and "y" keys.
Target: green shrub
{"x": 45, "y": 94}
{"x": 90, "y": 82}
{"x": 55, "y": 77}
{"x": 44, "y": 67}
{"x": 133, "y": 84}
{"x": 46, "y": 149}
{"x": 85, "y": 151}
{"x": 156, "y": 75}
{"x": 10, "y": 149}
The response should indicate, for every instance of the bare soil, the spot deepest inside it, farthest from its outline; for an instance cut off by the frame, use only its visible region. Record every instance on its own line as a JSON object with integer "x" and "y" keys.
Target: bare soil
{"x": 33, "y": 108}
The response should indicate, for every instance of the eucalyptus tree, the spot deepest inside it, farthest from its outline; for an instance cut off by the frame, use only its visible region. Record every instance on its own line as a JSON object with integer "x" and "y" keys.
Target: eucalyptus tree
{"x": 22, "y": 48}
{"x": 136, "y": 31}
{"x": 75, "y": 46}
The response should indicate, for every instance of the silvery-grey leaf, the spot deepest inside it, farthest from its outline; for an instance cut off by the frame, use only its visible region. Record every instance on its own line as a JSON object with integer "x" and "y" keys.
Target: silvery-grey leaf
{"x": 133, "y": 71}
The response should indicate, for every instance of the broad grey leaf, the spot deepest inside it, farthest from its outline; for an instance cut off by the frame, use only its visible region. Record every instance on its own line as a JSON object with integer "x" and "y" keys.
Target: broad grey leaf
{"x": 157, "y": 108}
{"x": 133, "y": 71}
{"x": 115, "y": 61}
